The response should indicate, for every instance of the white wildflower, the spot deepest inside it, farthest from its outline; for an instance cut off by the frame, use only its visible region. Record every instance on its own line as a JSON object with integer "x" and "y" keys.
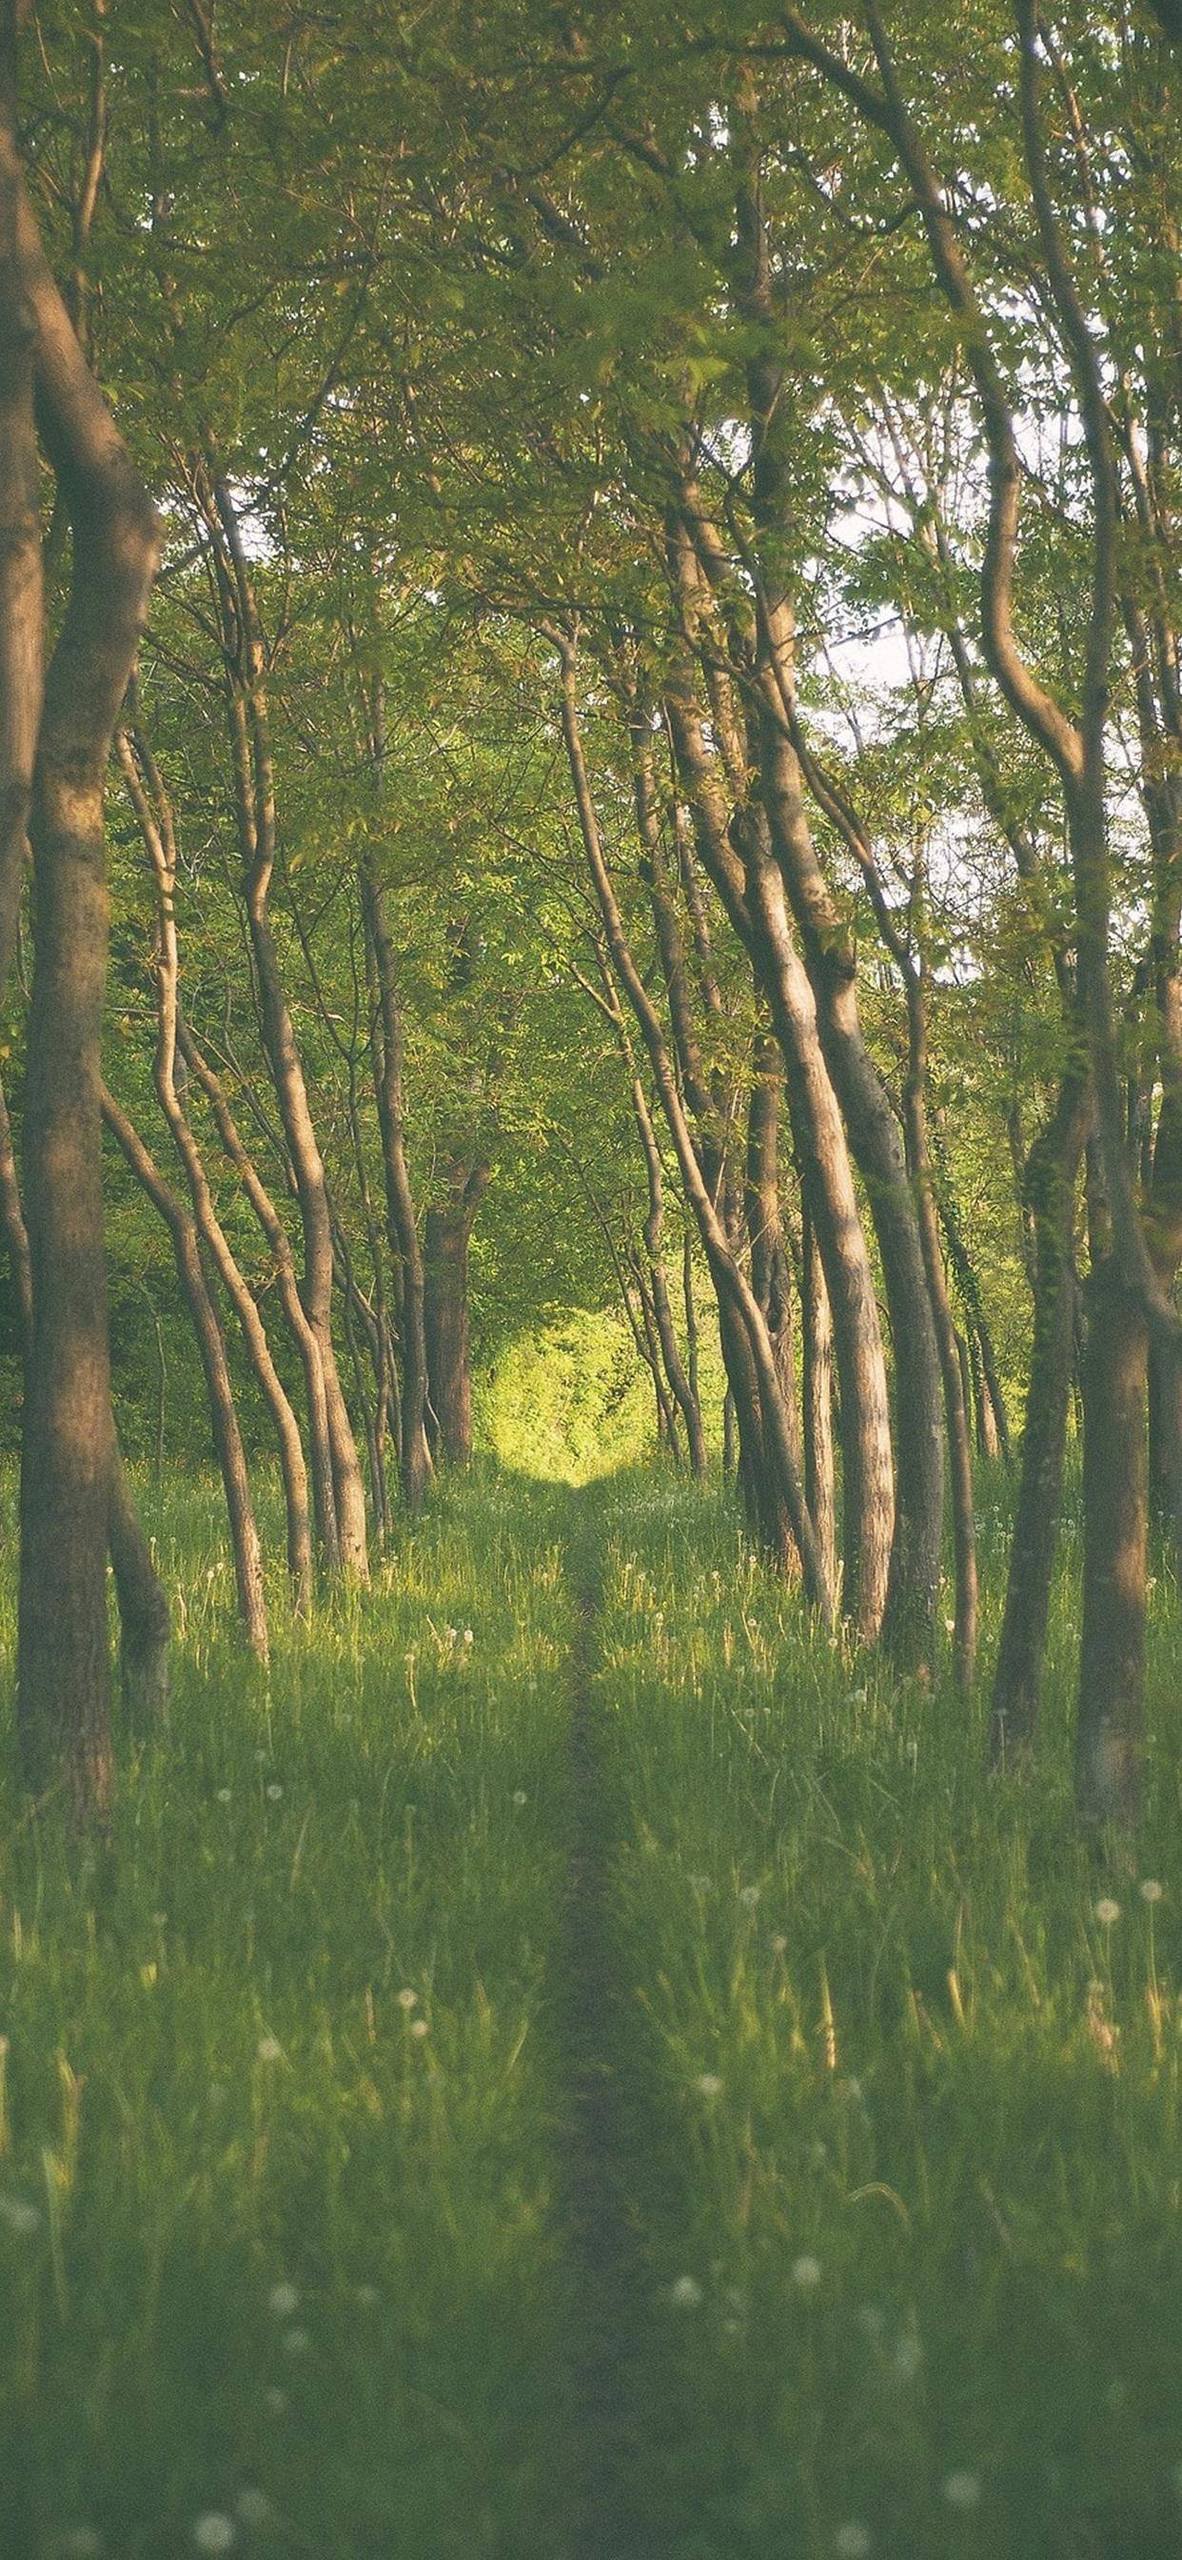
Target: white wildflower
{"x": 213, "y": 2533}
{"x": 806, "y": 2274}
{"x": 962, "y": 2490}
{"x": 21, "y": 2217}
{"x": 469, "y": 1638}
{"x": 852, "y": 2541}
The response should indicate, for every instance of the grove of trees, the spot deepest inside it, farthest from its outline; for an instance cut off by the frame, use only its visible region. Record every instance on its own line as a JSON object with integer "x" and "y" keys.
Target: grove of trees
{"x": 591, "y": 715}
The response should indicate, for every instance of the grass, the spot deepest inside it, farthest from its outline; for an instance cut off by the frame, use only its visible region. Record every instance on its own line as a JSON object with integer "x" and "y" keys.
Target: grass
{"x": 218, "y": 2084}
{"x": 897, "y": 2113}
{"x": 921, "y": 2245}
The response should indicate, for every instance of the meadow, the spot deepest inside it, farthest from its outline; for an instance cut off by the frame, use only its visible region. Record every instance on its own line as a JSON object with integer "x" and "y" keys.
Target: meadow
{"x": 751, "y": 2134}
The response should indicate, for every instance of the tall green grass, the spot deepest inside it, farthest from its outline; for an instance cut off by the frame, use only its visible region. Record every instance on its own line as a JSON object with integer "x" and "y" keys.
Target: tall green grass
{"x": 907, "y": 2132}
{"x": 275, "y": 2240}
{"x": 284, "y": 2148}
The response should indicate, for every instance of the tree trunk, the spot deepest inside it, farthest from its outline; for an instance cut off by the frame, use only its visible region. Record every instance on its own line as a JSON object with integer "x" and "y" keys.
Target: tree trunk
{"x": 231, "y": 1456}
{"x": 251, "y": 746}
{"x": 817, "y": 1332}
{"x": 1050, "y": 1179}
{"x": 755, "y": 904}
{"x": 686, "y": 1400}
{"x": 63, "y": 1666}
{"x": 155, "y": 821}
{"x": 955, "y": 1402}
{"x": 402, "y": 1226}
{"x": 302, "y": 1332}
{"x": 1112, "y": 1644}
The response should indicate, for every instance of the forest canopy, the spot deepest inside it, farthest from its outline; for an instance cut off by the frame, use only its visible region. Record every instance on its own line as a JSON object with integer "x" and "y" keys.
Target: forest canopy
{"x": 590, "y": 617}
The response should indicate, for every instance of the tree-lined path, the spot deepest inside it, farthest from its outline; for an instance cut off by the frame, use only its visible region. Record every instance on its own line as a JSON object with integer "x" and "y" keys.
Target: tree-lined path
{"x": 591, "y": 1277}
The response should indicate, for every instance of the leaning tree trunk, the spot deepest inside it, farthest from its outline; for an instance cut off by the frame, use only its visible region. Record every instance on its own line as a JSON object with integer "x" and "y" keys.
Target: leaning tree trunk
{"x": 755, "y": 904}
{"x": 150, "y": 802}
{"x": 250, "y": 738}
{"x": 227, "y": 1438}
{"x": 67, "y": 1454}
{"x": 302, "y": 1332}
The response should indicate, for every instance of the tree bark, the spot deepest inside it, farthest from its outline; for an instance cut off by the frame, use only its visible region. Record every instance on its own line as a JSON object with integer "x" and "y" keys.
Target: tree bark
{"x": 1050, "y": 1183}
{"x": 1112, "y": 1648}
{"x": 152, "y": 809}
{"x": 402, "y": 1225}
{"x": 63, "y": 1666}
{"x": 302, "y": 1332}
{"x": 251, "y": 745}
{"x": 231, "y": 1456}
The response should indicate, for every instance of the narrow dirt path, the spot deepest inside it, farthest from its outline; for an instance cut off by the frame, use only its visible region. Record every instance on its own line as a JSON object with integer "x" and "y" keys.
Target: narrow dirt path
{"x": 608, "y": 2296}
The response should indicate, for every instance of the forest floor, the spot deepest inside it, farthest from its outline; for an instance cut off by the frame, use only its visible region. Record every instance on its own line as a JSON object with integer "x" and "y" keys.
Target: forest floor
{"x": 569, "y": 2066}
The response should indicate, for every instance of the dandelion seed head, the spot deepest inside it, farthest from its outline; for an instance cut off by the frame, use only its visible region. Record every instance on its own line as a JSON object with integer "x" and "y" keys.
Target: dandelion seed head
{"x": 520, "y": 1796}
{"x": 749, "y": 1896}
{"x": 274, "y": 1791}
{"x": 419, "y": 2027}
{"x": 225, "y": 1795}
{"x": 962, "y": 2490}
{"x": 22, "y": 2218}
{"x": 686, "y": 2293}
{"x": 852, "y": 2541}
{"x": 1151, "y": 1890}
{"x": 708, "y": 2084}
{"x": 213, "y": 2533}
{"x": 806, "y": 2274}
{"x": 282, "y": 2300}
{"x": 80, "y": 2542}
{"x": 1107, "y": 1911}
{"x": 296, "y": 2342}
{"x": 367, "y": 2296}
{"x": 269, "y": 2049}
{"x": 275, "y": 2399}
{"x": 408, "y": 1999}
